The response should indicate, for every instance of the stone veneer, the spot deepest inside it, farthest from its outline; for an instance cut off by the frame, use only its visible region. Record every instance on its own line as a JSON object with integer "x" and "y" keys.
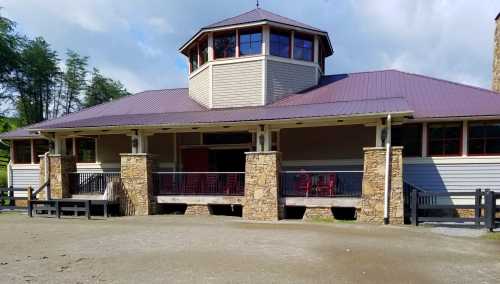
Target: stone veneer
{"x": 317, "y": 212}
{"x": 372, "y": 200}
{"x": 60, "y": 166}
{"x": 198, "y": 209}
{"x": 262, "y": 200}
{"x": 496, "y": 57}
{"x": 136, "y": 195}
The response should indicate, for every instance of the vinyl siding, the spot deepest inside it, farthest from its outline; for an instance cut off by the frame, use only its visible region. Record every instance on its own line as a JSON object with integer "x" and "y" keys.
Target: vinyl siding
{"x": 23, "y": 177}
{"x": 453, "y": 177}
{"x": 199, "y": 87}
{"x": 237, "y": 84}
{"x": 326, "y": 143}
{"x": 288, "y": 78}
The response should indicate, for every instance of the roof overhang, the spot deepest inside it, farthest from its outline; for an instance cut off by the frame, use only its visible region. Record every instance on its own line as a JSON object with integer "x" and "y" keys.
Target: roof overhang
{"x": 203, "y": 31}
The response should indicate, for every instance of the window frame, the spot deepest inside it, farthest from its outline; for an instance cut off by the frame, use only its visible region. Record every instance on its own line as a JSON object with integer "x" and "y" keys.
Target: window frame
{"x": 15, "y": 156}
{"x": 304, "y": 37}
{"x": 193, "y": 51}
{"x": 484, "y": 138}
{"x": 460, "y": 139}
{"x": 419, "y": 141}
{"x": 77, "y": 150}
{"x": 231, "y": 33}
{"x": 281, "y": 33}
{"x": 202, "y": 57}
{"x": 250, "y": 31}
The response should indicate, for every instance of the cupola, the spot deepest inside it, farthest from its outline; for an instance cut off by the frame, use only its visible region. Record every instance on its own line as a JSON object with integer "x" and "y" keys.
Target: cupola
{"x": 254, "y": 59}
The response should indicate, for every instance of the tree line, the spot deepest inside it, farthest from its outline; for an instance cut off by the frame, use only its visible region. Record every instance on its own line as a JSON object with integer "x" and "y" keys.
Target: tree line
{"x": 37, "y": 85}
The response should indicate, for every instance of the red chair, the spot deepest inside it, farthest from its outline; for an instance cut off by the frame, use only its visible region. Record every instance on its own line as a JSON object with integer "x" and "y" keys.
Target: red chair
{"x": 231, "y": 184}
{"x": 303, "y": 184}
{"x": 212, "y": 184}
{"x": 324, "y": 186}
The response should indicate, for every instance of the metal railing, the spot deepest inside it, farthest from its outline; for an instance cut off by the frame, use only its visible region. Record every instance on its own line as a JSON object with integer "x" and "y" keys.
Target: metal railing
{"x": 199, "y": 183}
{"x": 321, "y": 183}
{"x": 91, "y": 183}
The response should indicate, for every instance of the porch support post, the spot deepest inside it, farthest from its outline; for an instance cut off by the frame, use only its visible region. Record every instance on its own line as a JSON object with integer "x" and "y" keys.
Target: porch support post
{"x": 372, "y": 200}
{"x": 59, "y": 168}
{"x": 136, "y": 196}
{"x": 264, "y": 138}
{"x": 262, "y": 200}
{"x": 139, "y": 143}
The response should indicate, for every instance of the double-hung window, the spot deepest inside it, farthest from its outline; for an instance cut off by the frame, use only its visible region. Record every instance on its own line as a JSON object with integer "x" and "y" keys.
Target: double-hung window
{"x": 250, "y": 42}
{"x": 445, "y": 139}
{"x": 225, "y": 45}
{"x": 303, "y": 48}
{"x": 280, "y": 43}
{"x": 484, "y": 138}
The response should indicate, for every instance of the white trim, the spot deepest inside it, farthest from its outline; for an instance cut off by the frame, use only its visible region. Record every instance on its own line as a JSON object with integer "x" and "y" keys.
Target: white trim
{"x": 264, "y": 82}
{"x": 199, "y": 70}
{"x": 378, "y": 133}
{"x": 453, "y": 160}
{"x": 292, "y": 61}
{"x": 25, "y": 166}
{"x": 316, "y": 50}
{"x": 424, "y": 139}
{"x": 32, "y": 152}
{"x": 9, "y": 174}
{"x": 465, "y": 139}
{"x": 232, "y": 60}
{"x": 339, "y": 162}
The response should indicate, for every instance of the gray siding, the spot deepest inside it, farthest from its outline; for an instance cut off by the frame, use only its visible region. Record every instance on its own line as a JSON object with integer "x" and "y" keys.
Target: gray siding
{"x": 287, "y": 78}
{"x": 22, "y": 178}
{"x": 237, "y": 84}
{"x": 466, "y": 176}
{"x": 199, "y": 87}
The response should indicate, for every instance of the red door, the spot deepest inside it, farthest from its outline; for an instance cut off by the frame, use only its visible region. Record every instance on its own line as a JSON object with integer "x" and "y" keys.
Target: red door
{"x": 195, "y": 160}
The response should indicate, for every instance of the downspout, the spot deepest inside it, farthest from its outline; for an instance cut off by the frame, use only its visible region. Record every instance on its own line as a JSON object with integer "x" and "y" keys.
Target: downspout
{"x": 46, "y": 174}
{"x": 9, "y": 174}
{"x": 387, "y": 168}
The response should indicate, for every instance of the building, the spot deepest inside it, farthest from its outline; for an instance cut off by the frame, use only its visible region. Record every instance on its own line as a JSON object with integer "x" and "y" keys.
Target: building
{"x": 262, "y": 126}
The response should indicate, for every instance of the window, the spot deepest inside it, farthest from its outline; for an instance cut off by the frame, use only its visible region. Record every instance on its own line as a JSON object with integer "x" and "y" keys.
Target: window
{"x": 445, "y": 139}
{"x": 41, "y": 147}
{"x": 225, "y": 45}
{"x": 193, "y": 59}
{"x": 484, "y": 138}
{"x": 22, "y": 151}
{"x": 203, "y": 48}
{"x": 85, "y": 150}
{"x": 280, "y": 44}
{"x": 227, "y": 138}
{"x": 69, "y": 146}
{"x": 303, "y": 48}
{"x": 250, "y": 42}
{"x": 410, "y": 137}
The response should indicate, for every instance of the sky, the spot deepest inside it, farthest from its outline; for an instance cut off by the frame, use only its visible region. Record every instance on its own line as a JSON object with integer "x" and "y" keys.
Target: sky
{"x": 137, "y": 42}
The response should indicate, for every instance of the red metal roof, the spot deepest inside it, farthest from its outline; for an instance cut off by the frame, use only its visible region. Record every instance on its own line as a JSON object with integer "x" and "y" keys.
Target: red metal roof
{"x": 336, "y": 95}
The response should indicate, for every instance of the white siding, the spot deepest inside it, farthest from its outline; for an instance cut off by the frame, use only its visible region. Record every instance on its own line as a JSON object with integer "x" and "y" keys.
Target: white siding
{"x": 237, "y": 84}
{"x": 199, "y": 87}
{"x": 453, "y": 177}
{"x": 25, "y": 176}
{"x": 288, "y": 78}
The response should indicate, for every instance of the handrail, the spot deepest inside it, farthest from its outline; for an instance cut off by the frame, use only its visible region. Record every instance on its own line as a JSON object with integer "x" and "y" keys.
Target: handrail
{"x": 89, "y": 172}
{"x": 414, "y": 186}
{"x": 319, "y": 172}
{"x": 161, "y": 173}
{"x": 46, "y": 184}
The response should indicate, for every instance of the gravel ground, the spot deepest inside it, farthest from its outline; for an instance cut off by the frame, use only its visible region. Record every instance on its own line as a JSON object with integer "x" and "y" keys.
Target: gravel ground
{"x": 182, "y": 249}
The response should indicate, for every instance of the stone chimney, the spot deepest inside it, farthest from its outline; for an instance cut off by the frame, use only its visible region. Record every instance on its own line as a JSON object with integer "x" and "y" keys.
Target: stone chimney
{"x": 496, "y": 57}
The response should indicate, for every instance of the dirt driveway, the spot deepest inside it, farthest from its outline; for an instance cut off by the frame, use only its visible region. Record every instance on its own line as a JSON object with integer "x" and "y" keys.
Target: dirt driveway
{"x": 167, "y": 249}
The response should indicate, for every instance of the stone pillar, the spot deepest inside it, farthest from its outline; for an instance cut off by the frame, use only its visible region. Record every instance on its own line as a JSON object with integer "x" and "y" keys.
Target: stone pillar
{"x": 198, "y": 209}
{"x": 60, "y": 166}
{"x": 136, "y": 196}
{"x": 262, "y": 199}
{"x": 372, "y": 200}
{"x": 312, "y": 213}
{"x": 496, "y": 57}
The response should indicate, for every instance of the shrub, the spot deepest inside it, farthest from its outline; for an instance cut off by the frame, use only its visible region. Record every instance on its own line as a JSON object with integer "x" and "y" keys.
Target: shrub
{"x": 3, "y": 177}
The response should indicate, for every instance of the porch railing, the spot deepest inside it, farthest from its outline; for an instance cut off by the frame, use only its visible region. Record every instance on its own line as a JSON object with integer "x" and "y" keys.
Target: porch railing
{"x": 321, "y": 183}
{"x": 91, "y": 183}
{"x": 199, "y": 183}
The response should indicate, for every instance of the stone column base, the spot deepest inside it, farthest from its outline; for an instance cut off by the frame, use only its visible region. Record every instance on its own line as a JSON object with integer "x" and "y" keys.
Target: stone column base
{"x": 312, "y": 213}
{"x": 197, "y": 210}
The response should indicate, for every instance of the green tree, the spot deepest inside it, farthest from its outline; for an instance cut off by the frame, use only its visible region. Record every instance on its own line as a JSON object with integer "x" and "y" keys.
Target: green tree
{"x": 73, "y": 81}
{"x": 10, "y": 44}
{"x": 35, "y": 81}
{"x": 102, "y": 89}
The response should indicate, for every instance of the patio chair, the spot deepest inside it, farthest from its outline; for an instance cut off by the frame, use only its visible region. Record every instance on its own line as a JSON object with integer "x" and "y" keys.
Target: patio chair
{"x": 212, "y": 184}
{"x": 231, "y": 184}
{"x": 303, "y": 184}
{"x": 326, "y": 186}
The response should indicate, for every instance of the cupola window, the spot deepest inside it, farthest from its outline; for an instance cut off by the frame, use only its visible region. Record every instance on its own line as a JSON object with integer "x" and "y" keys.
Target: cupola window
{"x": 225, "y": 45}
{"x": 203, "y": 52}
{"x": 280, "y": 44}
{"x": 303, "y": 48}
{"x": 250, "y": 42}
{"x": 193, "y": 59}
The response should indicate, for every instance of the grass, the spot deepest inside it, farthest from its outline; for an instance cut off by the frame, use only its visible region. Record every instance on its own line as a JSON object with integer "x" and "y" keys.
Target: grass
{"x": 493, "y": 236}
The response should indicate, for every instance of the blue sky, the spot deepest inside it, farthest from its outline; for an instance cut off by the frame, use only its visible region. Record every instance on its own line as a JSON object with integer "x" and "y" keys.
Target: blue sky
{"x": 137, "y": 42}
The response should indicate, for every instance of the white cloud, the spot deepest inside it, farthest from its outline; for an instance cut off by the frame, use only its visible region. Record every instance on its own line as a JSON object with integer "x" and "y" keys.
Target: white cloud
{"x": 149, "y": 50}
{"x": 160, "y": 25}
